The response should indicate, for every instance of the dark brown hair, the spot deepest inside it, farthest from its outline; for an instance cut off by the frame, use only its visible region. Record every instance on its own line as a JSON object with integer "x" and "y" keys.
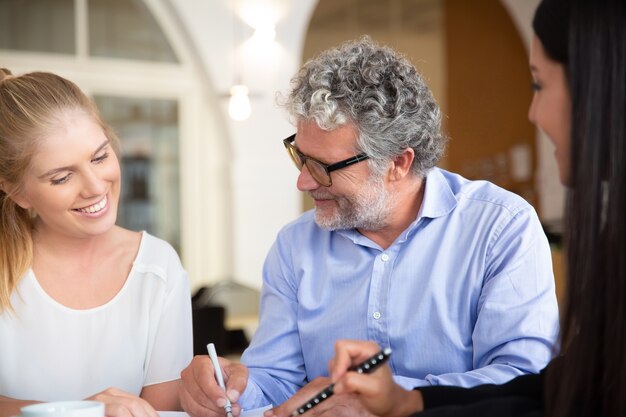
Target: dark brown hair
{"x": 591, "y": 377}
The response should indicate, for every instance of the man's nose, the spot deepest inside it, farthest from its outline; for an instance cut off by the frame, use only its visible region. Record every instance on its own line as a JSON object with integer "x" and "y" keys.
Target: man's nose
{"x": 306, "y": 182}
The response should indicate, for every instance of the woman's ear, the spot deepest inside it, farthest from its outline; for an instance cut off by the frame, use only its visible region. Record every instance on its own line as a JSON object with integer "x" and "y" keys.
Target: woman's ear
{"x": 18, "y": 198}
{"x": 402, "y": 165}
{"x": 4, "y": 186}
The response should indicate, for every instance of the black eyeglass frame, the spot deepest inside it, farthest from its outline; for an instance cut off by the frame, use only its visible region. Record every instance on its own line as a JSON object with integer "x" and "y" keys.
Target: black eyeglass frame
{"x": 288, "y": 142}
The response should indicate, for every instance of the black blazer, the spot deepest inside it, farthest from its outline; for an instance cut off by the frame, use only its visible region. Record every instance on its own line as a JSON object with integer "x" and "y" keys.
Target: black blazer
{"x": 520, "y": 397}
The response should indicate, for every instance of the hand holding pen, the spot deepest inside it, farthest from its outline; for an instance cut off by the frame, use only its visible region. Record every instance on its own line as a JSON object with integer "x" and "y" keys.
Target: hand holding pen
{"x": 228, "y": 408}
{"x": 364, "y": 367}
{"x": 201, "y": 395}
{"x": 377, "y": 392}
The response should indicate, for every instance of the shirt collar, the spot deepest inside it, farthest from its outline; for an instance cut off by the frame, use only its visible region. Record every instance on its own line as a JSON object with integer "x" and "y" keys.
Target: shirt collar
{"x": 439, "y": 199}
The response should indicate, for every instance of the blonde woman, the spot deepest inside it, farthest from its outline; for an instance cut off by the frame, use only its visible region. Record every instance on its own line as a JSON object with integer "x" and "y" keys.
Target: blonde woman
{"x": 87, "y": 309}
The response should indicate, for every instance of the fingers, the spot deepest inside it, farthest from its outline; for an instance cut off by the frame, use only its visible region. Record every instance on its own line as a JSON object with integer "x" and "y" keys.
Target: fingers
{"x": 201, "y": 396}
{"x": 368, "y": 385}
{"x": 378, "y": 393}
{"x": 196, "y": 379}
{"x": 236, "y": 376}
{"x": 197, "y": 387}
{"x": 193, "y": 407}
{"x": 303, "y": 395}
{"x": 334, "y": 406}
{"x": 374, "y": 390}
{"x": 118, "y": 403}
{"x": 349, "y": 353}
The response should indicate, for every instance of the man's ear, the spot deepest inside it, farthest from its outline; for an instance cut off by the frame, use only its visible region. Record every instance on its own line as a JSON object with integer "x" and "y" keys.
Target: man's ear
{"x": 18, "y": 198}
{"x": 401, "y": 165}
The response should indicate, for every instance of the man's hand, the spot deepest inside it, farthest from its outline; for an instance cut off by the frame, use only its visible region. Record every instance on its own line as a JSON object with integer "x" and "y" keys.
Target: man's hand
{"x": 201, "y": 396}
{"x": 342, "y": 405}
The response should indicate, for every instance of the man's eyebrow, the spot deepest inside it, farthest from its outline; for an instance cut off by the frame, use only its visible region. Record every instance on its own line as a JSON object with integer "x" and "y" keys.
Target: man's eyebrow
{"x": 66, "y": 168}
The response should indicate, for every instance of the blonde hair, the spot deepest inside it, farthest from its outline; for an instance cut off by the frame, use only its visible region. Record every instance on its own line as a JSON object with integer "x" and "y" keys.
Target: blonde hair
{"x": 30, "y": 105}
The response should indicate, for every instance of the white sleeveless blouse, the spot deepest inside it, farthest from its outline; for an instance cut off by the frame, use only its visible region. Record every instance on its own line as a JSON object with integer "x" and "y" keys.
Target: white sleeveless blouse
{"x": 143, "y": 336}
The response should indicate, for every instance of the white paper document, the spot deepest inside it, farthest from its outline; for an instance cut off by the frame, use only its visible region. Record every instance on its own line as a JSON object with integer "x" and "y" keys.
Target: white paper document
{"x": 257, "y": 412}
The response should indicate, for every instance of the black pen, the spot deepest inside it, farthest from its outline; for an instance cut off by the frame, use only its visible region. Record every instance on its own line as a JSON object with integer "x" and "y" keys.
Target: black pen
{"x": 364, "y": 367}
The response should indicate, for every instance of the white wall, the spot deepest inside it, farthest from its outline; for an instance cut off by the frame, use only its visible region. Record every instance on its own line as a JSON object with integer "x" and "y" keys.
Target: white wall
{"x": 264, "y": 196}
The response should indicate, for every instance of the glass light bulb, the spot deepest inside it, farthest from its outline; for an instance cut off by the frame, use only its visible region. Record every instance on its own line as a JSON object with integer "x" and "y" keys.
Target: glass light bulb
{"x": 239, "y": 104}
{"x": 265, "y": 33}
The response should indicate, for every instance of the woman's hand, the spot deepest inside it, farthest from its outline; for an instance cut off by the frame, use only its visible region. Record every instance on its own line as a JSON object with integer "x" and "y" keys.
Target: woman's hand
{"x": 118, "y": 403}
{"x": 377, "y": 391}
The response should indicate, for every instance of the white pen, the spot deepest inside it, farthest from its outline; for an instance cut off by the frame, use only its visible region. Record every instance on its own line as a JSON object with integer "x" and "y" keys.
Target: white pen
{"x": 220, "y": 378}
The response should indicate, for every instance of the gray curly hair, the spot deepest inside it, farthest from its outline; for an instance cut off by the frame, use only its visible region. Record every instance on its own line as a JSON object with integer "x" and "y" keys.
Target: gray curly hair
{"x": 378, "y": 91}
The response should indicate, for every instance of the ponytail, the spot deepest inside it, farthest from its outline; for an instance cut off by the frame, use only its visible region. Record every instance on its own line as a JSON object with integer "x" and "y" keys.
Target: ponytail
{"x": 16, "y": 247}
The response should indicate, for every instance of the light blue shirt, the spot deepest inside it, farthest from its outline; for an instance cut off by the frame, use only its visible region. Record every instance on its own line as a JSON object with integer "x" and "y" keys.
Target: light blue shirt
{"x": 464, "y": 296}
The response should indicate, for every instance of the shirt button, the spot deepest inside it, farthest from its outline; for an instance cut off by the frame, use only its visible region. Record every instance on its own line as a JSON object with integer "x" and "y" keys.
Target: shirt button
{"x": 384, "y": 257}
{"x": 377, "y": 315}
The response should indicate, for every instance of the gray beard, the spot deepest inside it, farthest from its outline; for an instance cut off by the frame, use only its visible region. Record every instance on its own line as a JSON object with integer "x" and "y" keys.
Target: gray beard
{"x": 368, "y": 210}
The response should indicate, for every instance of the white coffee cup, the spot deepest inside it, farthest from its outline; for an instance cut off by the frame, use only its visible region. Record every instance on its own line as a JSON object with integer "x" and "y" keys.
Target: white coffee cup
{"x": 64, "y": 409}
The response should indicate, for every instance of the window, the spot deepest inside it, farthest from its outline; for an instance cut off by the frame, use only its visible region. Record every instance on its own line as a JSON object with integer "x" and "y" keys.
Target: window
{"x": 38, "y": 25}
{"x": 116, "y": 28}
{"x": 150, "y": 198}
{"x": 126, "y": 29}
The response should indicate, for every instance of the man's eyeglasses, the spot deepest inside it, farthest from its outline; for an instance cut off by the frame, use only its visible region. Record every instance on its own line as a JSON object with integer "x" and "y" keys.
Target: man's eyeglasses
{"x": 318, "y": 170}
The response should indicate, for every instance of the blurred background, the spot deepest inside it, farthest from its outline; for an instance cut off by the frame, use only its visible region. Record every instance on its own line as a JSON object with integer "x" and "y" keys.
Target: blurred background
{"x": 190, "y": 86}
